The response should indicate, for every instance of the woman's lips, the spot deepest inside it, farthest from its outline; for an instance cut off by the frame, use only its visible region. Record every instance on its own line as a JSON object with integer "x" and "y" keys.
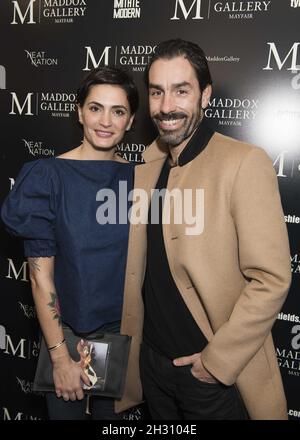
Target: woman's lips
{"x": 103, "y": 134}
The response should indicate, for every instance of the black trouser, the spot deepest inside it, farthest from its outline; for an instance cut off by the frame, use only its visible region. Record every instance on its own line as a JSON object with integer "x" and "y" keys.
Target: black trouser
{"x": 173, "y": 393}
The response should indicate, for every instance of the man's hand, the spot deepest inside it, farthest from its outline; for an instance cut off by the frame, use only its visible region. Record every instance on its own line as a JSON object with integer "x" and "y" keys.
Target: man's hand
{"x": 198, "y": 370}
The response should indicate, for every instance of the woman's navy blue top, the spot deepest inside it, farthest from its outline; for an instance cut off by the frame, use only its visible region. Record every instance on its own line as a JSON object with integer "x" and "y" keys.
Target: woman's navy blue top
{"x": 53, "y": 206}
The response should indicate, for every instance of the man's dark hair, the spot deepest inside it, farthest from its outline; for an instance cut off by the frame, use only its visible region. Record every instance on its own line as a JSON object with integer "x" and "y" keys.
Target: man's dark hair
{"x": 111, "y": 76}
{"x": 181, "y": 48}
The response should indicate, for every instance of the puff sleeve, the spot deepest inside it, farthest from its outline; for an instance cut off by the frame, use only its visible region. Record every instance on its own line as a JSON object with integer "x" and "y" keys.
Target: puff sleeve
{"x": 29, "y": 209}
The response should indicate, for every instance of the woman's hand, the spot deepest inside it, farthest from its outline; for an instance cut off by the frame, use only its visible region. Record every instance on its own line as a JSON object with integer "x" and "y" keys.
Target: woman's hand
{"x": 67, "y": 376}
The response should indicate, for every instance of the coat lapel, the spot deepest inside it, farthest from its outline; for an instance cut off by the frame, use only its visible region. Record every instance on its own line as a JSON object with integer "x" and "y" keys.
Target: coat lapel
{"x": 145, "y": 179}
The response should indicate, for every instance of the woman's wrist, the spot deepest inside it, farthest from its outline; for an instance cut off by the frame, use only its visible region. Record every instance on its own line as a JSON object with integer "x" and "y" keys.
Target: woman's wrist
{"x": 56, "y": 346}
{"x": 60, "y": 354}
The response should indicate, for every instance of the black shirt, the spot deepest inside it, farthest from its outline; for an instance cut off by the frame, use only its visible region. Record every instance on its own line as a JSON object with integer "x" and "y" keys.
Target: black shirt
{"x": 169, "y": 327}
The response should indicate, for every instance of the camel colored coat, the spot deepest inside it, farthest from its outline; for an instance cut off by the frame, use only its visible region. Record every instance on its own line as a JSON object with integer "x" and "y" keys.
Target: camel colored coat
{"x": 233, "y": 277}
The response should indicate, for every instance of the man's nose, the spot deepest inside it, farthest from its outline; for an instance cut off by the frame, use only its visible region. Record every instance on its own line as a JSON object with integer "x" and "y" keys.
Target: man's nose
{"x": 168, "y": 104}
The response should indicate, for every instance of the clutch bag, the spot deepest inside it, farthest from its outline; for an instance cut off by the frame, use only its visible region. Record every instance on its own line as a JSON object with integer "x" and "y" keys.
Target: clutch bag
{"x": 103, "y": 357}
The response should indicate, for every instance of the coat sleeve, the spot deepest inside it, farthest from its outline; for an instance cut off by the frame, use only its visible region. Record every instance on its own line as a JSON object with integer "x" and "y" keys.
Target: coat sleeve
{"x": 264, "y": 259}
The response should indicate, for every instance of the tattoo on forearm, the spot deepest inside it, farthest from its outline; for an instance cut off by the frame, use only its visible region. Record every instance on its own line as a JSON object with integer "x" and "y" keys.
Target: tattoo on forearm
{"x": 33, "y": 264}
{"x": 54, "y": 306}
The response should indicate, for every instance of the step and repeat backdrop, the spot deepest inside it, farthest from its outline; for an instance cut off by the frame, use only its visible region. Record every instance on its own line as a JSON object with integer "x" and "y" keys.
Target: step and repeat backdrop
{"x": 47, "y": 46}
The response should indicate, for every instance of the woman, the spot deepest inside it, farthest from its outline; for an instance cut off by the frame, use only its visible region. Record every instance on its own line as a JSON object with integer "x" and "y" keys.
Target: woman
{"x": 77, "y": 263}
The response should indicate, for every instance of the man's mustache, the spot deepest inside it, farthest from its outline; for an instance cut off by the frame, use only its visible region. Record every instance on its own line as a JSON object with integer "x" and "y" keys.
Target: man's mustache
{"x": 169, "y": 116}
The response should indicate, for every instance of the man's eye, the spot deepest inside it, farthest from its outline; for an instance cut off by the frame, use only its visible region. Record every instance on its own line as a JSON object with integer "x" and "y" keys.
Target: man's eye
{"x": 155, "y": 92}
{"x": 181, "y": 92}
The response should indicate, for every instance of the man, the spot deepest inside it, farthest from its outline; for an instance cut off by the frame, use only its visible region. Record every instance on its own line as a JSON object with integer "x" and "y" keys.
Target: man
{"x": 209, "y": 298}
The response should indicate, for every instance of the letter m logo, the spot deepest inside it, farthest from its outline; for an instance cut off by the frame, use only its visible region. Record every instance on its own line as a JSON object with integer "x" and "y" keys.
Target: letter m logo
{"x": 90, "y": 58}
{"x": 21, "y": 16}
{"x": 291, "y": 54}
{"x": 13, "y": 273}
{"x": 185, "y": 11}
{"x": 27, "y": 105}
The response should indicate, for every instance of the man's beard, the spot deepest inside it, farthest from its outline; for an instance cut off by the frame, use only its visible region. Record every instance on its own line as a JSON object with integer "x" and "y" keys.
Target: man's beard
{"x": 173, "y": 138}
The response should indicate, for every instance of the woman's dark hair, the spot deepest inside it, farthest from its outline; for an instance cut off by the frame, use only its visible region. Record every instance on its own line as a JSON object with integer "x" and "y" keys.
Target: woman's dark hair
{"x": 180, "y": 48}
{"x": 112, "y": 76}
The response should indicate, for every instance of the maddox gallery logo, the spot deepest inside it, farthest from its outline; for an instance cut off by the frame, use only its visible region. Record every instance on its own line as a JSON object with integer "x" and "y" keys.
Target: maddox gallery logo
{"x": 131, "y": 151}
{"x": 57, "y": 11}
{"x": 295, "y": 263}
{"x": 17, "y": 346}
{"x": 56, "y": 104}
{"x": 127, "y": 9}
{"x": 135, "y": 57}
{"x": 232, "y": 110}
{"x": 207, "y": 9}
